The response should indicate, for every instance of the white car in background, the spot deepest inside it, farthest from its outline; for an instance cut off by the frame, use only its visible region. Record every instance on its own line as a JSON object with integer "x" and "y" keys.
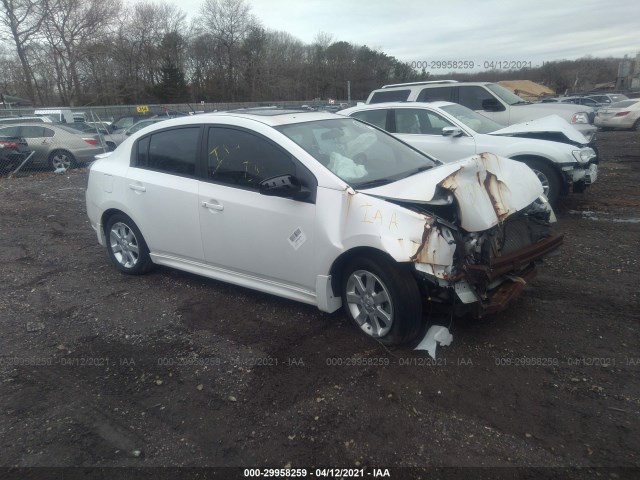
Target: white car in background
{"x": 620, "y": 115}
{"x": 323, "y": 209}
{"x": 448, "y": 132}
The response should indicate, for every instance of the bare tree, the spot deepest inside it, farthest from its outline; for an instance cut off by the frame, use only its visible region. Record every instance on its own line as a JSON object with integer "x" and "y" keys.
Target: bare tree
{"x": 228, "y": 22}
{"x": 70, "y": 26}
{"x": 22, "y": 20}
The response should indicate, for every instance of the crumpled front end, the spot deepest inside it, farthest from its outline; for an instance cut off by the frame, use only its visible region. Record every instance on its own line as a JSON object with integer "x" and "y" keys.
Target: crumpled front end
{"x": 485, "y": 228}
{"x": 488, "y": 268}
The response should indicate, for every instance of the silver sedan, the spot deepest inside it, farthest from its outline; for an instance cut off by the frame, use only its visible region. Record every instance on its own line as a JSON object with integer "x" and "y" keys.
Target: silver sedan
{"x": 56, "y": 147}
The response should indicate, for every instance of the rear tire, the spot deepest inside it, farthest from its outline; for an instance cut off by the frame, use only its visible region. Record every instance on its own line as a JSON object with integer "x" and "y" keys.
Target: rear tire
{"x": 127, "y": 249}
{"x": 636, "y": 126}
{"x": 61, "y": 159}
{"x": 382, "y": 299}
{"x": 548, "y": 176}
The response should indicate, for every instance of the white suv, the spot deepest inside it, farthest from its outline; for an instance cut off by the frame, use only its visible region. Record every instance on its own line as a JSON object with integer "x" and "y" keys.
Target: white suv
{"x": 490, "y": 99}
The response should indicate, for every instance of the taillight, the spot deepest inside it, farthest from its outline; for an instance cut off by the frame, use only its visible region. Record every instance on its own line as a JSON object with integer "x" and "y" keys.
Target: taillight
{"x": 91, "y": 141}
{"x": 621, "y": 114}
{"x": 7, "y": 144}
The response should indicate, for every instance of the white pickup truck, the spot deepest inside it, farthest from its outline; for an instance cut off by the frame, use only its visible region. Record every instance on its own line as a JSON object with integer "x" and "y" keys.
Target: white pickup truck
{"x": 490, "y": 99}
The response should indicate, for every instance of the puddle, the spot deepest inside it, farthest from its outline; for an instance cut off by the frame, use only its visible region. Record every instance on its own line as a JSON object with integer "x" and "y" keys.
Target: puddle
{"x": 602, "y": 216}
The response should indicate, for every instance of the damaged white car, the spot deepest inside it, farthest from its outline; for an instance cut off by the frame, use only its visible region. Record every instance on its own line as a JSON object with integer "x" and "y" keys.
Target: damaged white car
{"x": 325, "y": 210}
{"x": 560, "y": 155}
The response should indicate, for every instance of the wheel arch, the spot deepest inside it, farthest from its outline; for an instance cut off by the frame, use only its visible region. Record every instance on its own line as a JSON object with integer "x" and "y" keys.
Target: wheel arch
{"x": 564, "y": 186}
{"x": 339, "y": 264}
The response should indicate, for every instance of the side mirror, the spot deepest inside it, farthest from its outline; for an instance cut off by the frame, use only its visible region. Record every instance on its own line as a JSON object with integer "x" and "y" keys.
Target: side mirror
{"x": 286, "y": 186}
{"x": 451, "y": 132}
{"x": 492, "y": 105}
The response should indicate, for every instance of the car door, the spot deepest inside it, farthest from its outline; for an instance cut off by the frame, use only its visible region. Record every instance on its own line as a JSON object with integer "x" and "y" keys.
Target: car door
{"x": 259, "y": 237}
{"x": 39, "y": 140}
{"x": 161, "y": 191}
{"x": 422, "y": 128}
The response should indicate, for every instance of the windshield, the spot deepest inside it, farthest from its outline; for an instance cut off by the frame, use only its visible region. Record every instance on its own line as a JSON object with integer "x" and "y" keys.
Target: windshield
{"x": 506, "y": 95}
{"x": 475, "y": 121}
{"x": 358, "y": 153}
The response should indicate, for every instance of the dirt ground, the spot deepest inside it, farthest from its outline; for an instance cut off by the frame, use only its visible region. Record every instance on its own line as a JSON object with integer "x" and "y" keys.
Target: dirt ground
{"x": 99, "y": 369}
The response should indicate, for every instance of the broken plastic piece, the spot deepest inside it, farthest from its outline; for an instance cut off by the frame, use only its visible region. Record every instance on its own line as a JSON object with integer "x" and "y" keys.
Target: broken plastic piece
{"x": 436, "y": 334}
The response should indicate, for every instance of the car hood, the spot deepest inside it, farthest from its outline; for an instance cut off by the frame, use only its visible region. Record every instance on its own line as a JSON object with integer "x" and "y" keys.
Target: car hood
{"x": 552, "y": 128}
{"x": 487, "y": 188}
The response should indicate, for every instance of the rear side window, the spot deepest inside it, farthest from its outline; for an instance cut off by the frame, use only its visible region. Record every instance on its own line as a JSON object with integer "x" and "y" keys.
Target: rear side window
{"x": 374, "y": 117}
{"x": 170, "y": 151}
{"x": 434, "y": 94}
{"x": 10, "y": 132}
{"x": 390, "y": 96}
{"x": 32, "y": 131}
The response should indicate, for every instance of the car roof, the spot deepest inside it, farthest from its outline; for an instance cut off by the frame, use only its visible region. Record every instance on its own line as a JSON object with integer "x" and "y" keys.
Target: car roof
{"x": 375, "y": 106}
{"x": 273, "y": 117}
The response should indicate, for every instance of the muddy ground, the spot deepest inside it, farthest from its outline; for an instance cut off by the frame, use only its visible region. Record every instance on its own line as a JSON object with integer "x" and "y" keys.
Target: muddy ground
{"x": 99, "y": 369}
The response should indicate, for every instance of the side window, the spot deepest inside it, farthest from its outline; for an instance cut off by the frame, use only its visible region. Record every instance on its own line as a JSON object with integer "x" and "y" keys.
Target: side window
{"x": 10, "y": 132}
{"x": 32, "y": 131}
{"x": 472, "y": 97}
{"x": 374, "y": 117}
{"x": 242, "y": 159}
{"x": 170, "y": 151}
{"x": 434, "y": 94}
{"x": 390, "y": 96}
{"x": 417, "y": 120}
{"x": 48, "y": 132}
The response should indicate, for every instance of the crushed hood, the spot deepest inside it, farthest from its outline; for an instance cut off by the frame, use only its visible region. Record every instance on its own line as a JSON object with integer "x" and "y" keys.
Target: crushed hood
{"x": 552, "y": 128}
{"x": 487, "y": 188}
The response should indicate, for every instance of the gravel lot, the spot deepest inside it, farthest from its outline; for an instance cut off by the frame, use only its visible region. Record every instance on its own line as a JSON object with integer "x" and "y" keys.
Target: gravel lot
{"x": 169, "y": 369}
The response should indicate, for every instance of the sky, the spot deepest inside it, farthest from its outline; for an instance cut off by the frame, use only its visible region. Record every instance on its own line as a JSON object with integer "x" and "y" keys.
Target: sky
{"x": 531, "y": 31}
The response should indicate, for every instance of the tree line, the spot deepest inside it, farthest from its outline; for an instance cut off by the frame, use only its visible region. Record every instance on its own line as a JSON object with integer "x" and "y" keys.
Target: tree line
{"x": 81, "y": 52}
{"x": 97, "y": 52}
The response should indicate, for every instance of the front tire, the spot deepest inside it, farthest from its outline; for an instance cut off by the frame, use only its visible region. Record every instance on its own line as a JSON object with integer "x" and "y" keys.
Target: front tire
{"x": 548, "y": 177}
{"x": 382, "y": 299}
{"x": 127, "y": 249}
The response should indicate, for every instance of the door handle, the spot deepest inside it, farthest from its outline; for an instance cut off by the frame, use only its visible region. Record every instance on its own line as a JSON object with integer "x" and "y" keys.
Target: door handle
{"x": 137, "y": 188}
{"x": 213, "y": 206}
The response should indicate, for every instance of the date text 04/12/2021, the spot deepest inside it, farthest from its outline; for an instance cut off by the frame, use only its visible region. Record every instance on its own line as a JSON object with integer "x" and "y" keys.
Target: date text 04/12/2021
{"x": 472, "y": 64}
{"x": 317, "y": 472}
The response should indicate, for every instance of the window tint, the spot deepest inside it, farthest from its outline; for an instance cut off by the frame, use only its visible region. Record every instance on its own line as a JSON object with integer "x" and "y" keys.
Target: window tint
{"x": 171, "y": 151}
{"x": 390, "y": 96}
{"x": 48, "y": 132}
{"x": 374, "y": 117}
{"x": 32, "y": 131}
{"x": 416, "y": 120}
{"x": 434, "y": 94}
{"x": 472, "y": 97}
{"x": 9, "y": 132}
{"x": 236, "y": 157}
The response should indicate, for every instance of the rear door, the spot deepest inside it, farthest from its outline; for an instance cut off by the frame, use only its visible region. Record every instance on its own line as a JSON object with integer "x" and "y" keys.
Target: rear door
{"x": 161, "y": 191}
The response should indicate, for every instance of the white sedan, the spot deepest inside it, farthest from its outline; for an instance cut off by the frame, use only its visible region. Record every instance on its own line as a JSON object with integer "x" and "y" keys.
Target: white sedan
{"x": 325, "y": 210}
{"x": 619, "y": 115}
{"x": 555, "y": 151}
